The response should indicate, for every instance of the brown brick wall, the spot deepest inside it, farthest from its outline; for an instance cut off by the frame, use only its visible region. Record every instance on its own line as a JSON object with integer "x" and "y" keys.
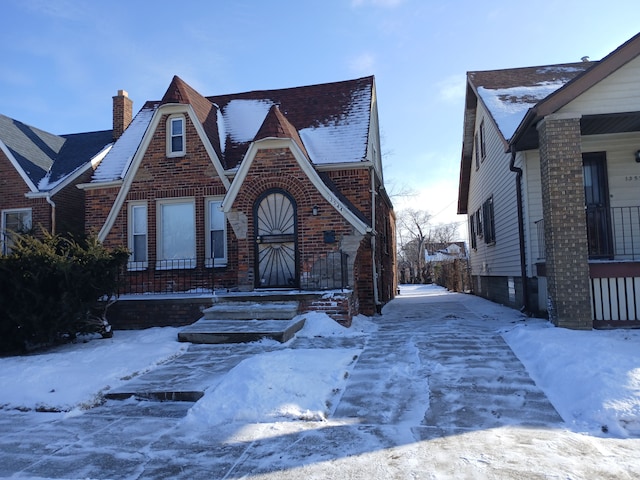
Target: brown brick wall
{"x": 565, "y": 233}
{"x": 12, "y": 195}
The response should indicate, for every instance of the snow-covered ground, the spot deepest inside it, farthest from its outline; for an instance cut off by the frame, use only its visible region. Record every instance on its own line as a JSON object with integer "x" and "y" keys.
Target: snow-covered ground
{"x": 591, "y": 377}
{"x": 336, "y": 402}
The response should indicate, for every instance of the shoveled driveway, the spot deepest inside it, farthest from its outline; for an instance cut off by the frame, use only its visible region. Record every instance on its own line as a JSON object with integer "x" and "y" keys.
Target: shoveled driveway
{"x": 456, "y": 403}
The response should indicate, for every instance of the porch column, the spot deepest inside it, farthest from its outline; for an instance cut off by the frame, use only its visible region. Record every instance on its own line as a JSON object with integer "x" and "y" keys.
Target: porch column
{"x": 565, "y": 229}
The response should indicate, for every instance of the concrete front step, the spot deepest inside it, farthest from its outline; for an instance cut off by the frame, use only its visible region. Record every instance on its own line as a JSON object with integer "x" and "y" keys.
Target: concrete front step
{"x": 239, "y": 331}
{"x": 247, "y": 310}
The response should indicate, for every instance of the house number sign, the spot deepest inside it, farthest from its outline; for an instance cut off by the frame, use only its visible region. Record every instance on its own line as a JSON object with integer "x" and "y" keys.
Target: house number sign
{"x": 632, "y": 178}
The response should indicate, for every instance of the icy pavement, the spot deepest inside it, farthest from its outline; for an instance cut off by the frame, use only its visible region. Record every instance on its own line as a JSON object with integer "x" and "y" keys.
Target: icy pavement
{"x": 434, "y": 392}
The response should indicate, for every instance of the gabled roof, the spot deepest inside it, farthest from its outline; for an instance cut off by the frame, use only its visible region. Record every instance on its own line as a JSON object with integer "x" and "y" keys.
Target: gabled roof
{"x": 117, "y": 162}
{"x": 332, "y": 119}
{"x": 509, "y": 94}
{"x": 180, "y": 92}
{"x": 43, "y": 159}
{"x": 329, "y": 122}
{"x": 517, "y": 99}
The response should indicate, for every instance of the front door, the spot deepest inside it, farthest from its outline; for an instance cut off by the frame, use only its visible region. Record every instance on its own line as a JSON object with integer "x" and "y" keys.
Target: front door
{"x": 276, "y": 233}
{"x": 596, "y": 193}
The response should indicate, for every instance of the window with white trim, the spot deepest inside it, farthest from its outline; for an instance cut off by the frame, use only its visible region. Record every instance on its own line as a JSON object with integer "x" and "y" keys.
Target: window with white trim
{"x": 14, "y": 222}
{"x": 176, "y": 234}
{"x": 216, "y": 236}
{"x": 176, "y": 136}
{"x": 138, "y": 234}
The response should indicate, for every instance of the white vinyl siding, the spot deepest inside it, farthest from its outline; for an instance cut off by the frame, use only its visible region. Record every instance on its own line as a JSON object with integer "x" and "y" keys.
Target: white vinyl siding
{"x": 616, "y": 93}
{"x": 494, "y": 179}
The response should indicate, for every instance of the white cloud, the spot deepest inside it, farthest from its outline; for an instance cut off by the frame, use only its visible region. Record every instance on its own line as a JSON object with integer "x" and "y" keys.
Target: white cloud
{"x": 452, "y": 88}
{"x": 363, "y": 64}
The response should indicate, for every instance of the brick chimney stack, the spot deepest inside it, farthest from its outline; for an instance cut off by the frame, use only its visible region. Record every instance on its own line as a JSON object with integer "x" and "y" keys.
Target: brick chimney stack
{"x": 122, "y": 113}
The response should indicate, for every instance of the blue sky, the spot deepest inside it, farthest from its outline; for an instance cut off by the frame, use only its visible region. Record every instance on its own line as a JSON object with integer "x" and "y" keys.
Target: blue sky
{"x": 63, "y": 60}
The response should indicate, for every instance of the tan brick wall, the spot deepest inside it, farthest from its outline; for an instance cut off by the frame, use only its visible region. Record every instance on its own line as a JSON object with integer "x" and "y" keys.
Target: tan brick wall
{"x": 565, "y": 222}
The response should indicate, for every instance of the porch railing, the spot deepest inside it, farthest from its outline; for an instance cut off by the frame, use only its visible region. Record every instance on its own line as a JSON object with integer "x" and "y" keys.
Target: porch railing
{"x": 166, "y": 276}
{"x": 325, "y": 272}
{"x": 321, "y": 272}
{"x": 612, "y": 233}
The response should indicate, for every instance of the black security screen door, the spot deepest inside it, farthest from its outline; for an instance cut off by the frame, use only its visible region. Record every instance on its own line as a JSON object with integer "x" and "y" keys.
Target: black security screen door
{"x": 275, "y": 220}
{"x": 596, "y": 193}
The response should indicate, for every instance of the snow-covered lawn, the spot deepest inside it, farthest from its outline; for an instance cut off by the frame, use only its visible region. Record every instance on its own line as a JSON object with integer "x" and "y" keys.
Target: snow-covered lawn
{"x": 591, "y": 377}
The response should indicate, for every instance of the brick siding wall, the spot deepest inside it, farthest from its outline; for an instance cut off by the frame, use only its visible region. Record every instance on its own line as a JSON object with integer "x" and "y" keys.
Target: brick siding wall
{"x": 565, "y": 233}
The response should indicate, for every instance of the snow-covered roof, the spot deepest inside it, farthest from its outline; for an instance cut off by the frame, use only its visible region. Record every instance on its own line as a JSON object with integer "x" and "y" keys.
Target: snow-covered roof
{"x": 509, "y": 94}
{"x": 332, "y": 119}
{"x": 117, "y": 161}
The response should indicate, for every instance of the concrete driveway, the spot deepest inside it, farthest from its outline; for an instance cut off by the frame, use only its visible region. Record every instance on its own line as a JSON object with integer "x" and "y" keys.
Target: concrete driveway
{"x": 435, "y": 393}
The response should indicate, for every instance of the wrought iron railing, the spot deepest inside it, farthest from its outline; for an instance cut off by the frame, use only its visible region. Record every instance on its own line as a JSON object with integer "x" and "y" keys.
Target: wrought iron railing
{"x": 166, "y": 276}
{"x": 325, "y": 272}
{"x": 612, "y": 233}
{"x": 321, "y": 272}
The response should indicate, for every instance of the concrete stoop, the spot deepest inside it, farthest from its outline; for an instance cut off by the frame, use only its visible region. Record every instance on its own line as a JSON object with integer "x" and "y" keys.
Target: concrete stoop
{"x": 245, "y": 318}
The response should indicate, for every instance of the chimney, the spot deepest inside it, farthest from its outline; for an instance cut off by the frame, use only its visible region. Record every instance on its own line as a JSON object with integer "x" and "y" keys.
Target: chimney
{"x": 122, "y": 113}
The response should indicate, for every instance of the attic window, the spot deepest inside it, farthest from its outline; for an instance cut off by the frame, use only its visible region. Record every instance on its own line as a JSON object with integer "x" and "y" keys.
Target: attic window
{"x": 175, "y": 136}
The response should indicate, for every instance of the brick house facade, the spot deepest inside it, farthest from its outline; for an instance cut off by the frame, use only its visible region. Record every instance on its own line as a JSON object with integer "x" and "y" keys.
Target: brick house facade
{"x": 39, "y": 172}
{"x": 266, "y": 190}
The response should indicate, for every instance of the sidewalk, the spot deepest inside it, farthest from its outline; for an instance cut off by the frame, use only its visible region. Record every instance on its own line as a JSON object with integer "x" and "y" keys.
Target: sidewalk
{"x": 435, "y": 393}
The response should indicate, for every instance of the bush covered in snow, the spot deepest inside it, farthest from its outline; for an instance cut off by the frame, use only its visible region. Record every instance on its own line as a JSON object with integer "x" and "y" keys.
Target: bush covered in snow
{"x": 50, "y": 290}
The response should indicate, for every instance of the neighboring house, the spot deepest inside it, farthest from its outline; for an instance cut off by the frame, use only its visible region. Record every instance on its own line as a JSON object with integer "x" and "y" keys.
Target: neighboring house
{"x": 550, "y": 181}
{"x": 39, "y": 172}
{"x": 444, "y": 252}
{"x": 263, "y": 190}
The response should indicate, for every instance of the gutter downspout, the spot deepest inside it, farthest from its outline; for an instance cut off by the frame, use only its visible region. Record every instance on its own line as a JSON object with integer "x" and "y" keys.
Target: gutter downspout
{"x": 53, "y": 214}
{"x": 523, "y": 262}
{"x": 376, "y": 299}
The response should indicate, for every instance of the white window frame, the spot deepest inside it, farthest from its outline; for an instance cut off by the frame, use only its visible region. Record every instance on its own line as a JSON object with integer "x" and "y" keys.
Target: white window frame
{"x": 163, "y": 263}
{"x": 5, "y": 248}
{"x": 170, "y": 136}
{"x": 132, "y": 233}
{"x": 209, "y": 204}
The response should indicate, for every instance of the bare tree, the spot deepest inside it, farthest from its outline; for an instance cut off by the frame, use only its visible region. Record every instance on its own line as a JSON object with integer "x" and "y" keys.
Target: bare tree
{"x": 445, "y": 233}
{"x": 414, "y": 231}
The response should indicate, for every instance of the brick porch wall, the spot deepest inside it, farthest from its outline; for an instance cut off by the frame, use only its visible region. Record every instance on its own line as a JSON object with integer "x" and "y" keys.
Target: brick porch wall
{"x": 565, "y": 232}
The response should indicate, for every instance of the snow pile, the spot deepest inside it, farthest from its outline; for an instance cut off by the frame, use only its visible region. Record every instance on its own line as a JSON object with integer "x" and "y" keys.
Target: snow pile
{"x": 76, "y": 375}
{"x": 591, "y": 377}
{"x": 272, "y": 386}
{"x": 318, "y": 324}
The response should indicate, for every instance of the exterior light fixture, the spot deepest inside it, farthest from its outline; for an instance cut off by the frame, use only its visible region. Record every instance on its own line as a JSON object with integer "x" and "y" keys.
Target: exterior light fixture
{"x": 637, "y": 155}
{"x": 314, "y": 210}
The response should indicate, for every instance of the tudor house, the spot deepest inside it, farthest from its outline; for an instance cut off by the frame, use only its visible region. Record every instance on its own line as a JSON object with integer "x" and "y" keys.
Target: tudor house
{"x": 39, "y": 172}
{"x": 550, "y": 182}
{"x": 275, "y": 190}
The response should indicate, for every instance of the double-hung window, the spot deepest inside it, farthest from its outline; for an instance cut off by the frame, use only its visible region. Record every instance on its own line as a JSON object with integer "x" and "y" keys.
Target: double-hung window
{"x": 175, "y": 136}
{"x": 138, "y": 245}
{"x": 176, "y": 234}
{"x": 216, "y": 240}
{"x": 14, "y": 222}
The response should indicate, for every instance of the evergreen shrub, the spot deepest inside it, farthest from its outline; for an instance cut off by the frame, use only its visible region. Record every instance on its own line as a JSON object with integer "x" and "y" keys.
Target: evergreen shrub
{"x": 50, "y": 289}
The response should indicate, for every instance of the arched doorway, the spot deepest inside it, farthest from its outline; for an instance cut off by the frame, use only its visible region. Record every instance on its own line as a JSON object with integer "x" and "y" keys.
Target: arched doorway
{"x": 275, "y": 223}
